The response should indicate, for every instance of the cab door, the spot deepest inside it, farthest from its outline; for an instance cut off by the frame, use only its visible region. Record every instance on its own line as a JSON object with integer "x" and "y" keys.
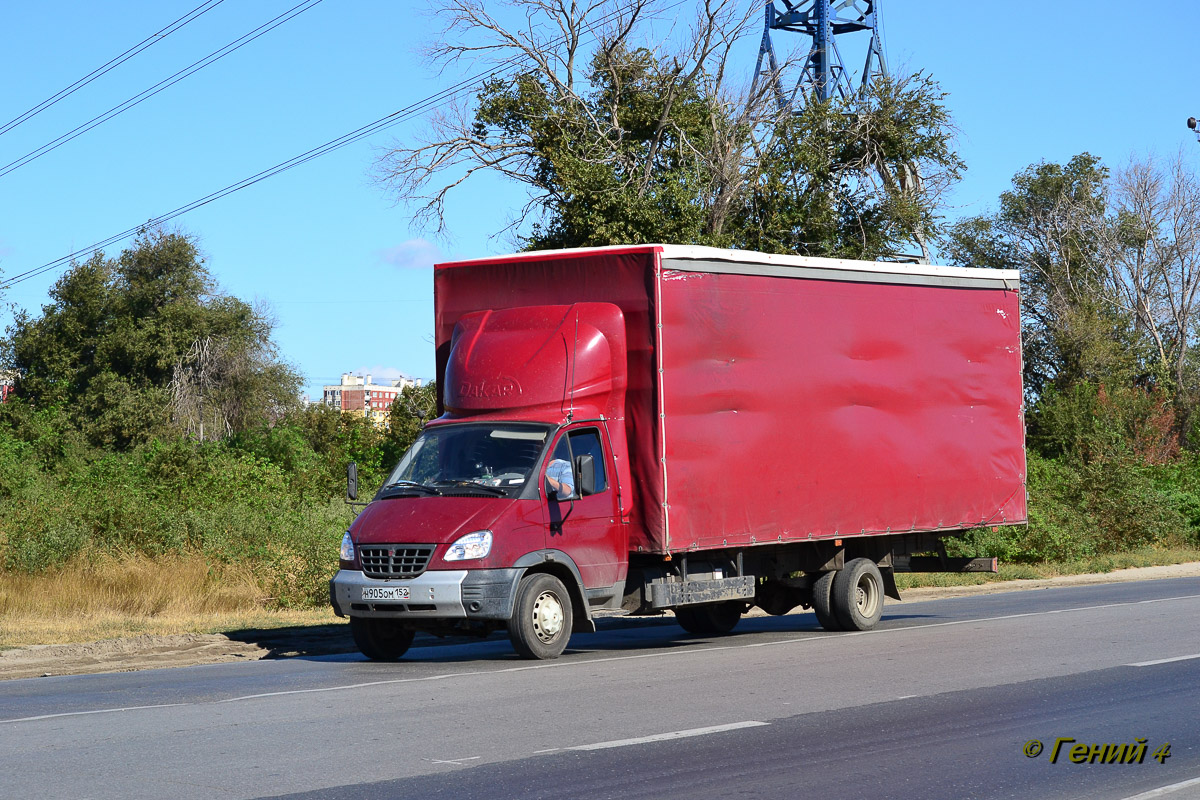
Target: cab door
{"x": 586, "y": 525}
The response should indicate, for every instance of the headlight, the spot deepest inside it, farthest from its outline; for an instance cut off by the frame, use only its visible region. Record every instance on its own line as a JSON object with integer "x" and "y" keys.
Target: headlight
{"x": 473, "y": 545}
{"x": 347, "y": 547}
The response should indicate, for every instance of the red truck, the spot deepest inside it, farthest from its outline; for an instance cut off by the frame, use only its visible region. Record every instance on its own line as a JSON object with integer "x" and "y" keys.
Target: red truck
{"x": 660, "y": 427}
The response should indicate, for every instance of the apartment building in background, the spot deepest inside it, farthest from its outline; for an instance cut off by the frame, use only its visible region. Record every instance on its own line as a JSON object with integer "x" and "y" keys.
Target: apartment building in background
{"x": 358, "y": 394}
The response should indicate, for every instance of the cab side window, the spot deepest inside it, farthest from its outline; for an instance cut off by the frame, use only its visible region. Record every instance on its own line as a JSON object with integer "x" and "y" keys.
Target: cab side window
{"x": 586, "y": 442}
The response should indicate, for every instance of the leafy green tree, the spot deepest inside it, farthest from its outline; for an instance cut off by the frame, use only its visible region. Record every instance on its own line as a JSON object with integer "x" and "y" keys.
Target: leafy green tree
{"x": 858, "y": 178}
{"x": 637, "y": 140}
{"x": 646, "y": 186}
{"x": 107, "y": 347}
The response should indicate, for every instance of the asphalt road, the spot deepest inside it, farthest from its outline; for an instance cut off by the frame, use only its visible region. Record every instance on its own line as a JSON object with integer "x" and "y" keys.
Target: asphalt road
{"x": 939, "y": 702}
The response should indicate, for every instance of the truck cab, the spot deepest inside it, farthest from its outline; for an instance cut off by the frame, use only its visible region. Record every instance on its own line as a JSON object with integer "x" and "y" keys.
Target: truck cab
{"x": 507, "y": 510}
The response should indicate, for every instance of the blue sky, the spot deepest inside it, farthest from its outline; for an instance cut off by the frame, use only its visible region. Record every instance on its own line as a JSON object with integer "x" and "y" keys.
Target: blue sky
{"x": 338, "y": 263}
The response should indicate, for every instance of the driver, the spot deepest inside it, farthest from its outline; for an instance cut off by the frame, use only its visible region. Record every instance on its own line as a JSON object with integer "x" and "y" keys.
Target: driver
{"x": 560, "y": 478}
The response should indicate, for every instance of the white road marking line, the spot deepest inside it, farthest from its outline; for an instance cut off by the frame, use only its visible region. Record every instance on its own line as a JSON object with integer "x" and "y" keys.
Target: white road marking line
{"x": 96, "y": 711}
{"x": 1163, "y": 661}
{"x": 1165, "y": 790}
{"x": 547, "y": 750}
{"x": 455, "y": 761}
{"x": 592, "y": 661}
{"x": 662, "y": 737}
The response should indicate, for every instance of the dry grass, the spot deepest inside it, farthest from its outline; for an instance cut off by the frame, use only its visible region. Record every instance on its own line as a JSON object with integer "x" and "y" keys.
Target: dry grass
{"x": 105, "y": 597}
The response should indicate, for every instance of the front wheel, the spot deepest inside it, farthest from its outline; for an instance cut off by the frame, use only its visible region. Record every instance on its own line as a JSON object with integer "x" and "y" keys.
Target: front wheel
{"x": 541, "y": 621}
{"x": 380, "y": 639}
{"x": 857, "y": 595}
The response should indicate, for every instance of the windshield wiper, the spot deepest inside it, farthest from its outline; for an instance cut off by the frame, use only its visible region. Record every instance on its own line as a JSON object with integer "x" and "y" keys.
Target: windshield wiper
{"x": 496, "y": 490}
{"x": 406, "y": 485}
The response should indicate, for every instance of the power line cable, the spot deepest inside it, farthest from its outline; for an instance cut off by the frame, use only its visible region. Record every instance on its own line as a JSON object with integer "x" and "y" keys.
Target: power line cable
{"x": 356, "y": 135}
{"x": 150, "y": 41}
{"x": 195, "y": 67}
{"x": 383, "y": 123}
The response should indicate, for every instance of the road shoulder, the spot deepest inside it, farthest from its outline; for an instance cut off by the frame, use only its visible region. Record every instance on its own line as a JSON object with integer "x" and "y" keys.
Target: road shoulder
{"x": 153, "y": 652}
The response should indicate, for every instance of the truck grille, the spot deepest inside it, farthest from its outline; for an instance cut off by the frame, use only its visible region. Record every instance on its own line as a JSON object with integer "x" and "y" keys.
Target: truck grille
{"x": 394, "y": 560}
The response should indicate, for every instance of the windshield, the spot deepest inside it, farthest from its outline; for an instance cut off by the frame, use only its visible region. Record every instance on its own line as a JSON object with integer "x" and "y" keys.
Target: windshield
{"x": 483, "y": 459}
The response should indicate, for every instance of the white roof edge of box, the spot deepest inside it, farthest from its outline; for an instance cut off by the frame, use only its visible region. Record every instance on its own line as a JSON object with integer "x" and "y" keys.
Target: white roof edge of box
{"x": 682, "y": 252}
{"x": 688, "y": 252}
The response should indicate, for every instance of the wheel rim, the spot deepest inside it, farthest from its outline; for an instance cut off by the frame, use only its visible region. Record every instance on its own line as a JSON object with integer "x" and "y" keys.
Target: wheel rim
{"x": 547, "y": 617}
{"x": 866, "y": 596}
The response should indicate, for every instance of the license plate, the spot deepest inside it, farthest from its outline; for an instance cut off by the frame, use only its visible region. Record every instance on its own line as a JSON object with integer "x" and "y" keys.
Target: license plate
{"x": 385, "y": 593}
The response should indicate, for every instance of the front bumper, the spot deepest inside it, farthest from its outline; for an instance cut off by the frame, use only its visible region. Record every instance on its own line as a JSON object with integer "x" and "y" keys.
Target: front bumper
{"x": 434, "y": 594}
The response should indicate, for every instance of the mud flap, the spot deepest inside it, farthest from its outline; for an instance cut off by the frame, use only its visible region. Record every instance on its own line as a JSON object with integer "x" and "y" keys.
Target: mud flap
{"x": 890, "y": 588}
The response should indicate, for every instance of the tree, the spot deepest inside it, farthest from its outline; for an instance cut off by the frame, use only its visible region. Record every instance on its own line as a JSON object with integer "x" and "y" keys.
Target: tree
{"x": 231, "y": 381}
{"x": 409, "y": 412}
{"x": 117, "y": 333}
{"x": 622, "y": 142}
{"x": 1153, "y": 256}
{"x": 856, "y": 178}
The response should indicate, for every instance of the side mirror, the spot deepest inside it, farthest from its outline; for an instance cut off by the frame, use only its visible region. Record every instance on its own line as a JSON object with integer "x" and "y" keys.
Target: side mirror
{"x": 352, "y": 481}
{"x": 585, "y": 471}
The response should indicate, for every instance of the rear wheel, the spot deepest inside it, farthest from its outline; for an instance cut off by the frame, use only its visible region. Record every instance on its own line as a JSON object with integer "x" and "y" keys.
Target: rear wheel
{"x": 823, "y": 602}
{"x": 716, "y": 618}
{"x": 380, "y": 639}
{"x": 541, "y": 621}
{"x": 857, "y": 595}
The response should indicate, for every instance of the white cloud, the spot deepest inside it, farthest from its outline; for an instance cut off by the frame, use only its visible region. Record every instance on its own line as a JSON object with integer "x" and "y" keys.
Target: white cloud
{"x": 413, "y": 254}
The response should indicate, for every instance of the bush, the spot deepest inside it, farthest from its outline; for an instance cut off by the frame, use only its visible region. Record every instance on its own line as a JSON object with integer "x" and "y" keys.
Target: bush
{"x": 316, "y": 443}
{"x": 1083, "y": 510}
{"x": 1087, "y": 423}
{"x": 257, "y": 507}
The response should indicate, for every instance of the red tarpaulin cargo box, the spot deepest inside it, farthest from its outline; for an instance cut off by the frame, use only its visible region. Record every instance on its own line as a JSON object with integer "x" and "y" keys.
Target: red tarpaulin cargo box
{"x": 782, "y": 398}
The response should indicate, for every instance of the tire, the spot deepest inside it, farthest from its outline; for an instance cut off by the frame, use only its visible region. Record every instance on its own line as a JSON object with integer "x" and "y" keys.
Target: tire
{"x": 823, "y": 602}
{"x": 857, "y": 595}
{"x": 381, "y": 639}
{"x": 541, "y": 623}
{"x": 691, "y": 620}
{"x": 707, "y": 620}
{"x": 724, "y": 617}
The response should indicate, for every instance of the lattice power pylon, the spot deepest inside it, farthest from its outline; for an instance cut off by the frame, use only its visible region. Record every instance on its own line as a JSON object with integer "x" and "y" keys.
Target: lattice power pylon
{"x": 824, "y": 75}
